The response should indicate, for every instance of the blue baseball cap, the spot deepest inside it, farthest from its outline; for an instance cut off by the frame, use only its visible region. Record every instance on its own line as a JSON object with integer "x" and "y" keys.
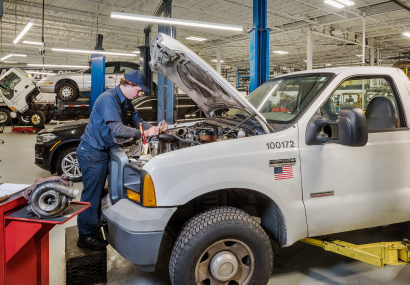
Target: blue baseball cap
{"x": 137, "y": 77}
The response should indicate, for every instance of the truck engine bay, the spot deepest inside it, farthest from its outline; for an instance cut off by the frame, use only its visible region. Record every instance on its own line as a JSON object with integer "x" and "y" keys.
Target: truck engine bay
{"x": 212, "y": 129}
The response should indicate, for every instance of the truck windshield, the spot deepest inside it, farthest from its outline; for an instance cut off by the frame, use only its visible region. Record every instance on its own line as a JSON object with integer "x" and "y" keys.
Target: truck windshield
{"x": 281, "y": 100}
{"x": 8, "y": 83}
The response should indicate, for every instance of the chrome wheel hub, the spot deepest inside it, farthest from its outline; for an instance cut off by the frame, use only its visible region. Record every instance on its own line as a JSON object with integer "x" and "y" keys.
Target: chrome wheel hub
{"x": 70, "y": 165}
{"x": 224, "y": 266}
{"x": 66, "y": 92}
{"x": 35, "y": 119}
{"x": 3, "y": 117}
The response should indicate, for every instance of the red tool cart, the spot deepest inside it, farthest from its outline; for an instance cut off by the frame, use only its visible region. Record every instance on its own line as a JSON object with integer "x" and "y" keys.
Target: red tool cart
{"x": 24, "y": 256}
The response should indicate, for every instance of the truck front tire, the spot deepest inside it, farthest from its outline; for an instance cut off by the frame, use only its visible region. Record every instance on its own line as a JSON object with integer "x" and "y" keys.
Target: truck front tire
{"x": 223, "y": 245}
{"x": 5, "y": 117}
{"x": 23, "y": 120}
{"x": 37, "y": 119}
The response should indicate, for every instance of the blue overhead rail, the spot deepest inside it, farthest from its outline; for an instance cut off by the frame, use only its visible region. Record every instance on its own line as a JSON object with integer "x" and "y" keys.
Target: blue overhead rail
{"x": 259, "y": 47}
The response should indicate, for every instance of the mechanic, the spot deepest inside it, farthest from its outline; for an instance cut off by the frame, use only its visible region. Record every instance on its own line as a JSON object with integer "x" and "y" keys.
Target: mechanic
{"x": 109, "y": 119}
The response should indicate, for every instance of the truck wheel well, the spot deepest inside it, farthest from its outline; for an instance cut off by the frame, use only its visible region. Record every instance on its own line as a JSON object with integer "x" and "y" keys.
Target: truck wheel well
{"x": 57, "y": 152}
{"x": 62, "y": 81}
{"x": 254, "y": 203}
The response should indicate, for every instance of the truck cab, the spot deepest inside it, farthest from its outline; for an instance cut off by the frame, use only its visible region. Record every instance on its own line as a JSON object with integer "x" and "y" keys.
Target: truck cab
{"x": 324, "y": 151}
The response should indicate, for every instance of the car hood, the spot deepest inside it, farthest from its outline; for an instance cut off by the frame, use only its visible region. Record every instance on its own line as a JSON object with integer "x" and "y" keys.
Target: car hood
{"x": 66, "y": 126}
{"x": 195, "y": 77}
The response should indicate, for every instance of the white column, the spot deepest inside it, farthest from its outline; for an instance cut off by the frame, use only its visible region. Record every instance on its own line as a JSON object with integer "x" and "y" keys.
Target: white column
{"x": 364, "y": 43}
{"x": 378, "y": 57}
{"x": 218, "y": 59}
{"x": 309, "y": 59}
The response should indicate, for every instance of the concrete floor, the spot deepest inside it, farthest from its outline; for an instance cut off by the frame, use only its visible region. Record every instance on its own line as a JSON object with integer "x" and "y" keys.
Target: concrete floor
{"x": 298, "y": 264}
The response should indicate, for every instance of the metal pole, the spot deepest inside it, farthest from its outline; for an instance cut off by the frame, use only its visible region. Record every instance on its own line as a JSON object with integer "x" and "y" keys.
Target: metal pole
{"x": 218, "y": 59}
{"x": 364, "y": 43}
{"x": 309, "y": 58}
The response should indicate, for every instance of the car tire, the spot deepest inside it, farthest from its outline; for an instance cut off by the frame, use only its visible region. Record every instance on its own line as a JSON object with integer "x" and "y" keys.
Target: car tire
{"x": 5, "y": 117}
{"x": 221, "y": 234}
{"x": 67, "y": 163}
{"x": 67, "y": 92}
{"x": 37, "y": 119}
{"x": 23, "y": 120}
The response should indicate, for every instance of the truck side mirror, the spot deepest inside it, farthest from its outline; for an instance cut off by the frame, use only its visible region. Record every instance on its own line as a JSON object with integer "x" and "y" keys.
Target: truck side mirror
{"x": 351, "y": 128}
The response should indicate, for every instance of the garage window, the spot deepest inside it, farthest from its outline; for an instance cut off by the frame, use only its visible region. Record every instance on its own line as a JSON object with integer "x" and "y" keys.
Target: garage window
{"x": 374, "y": 95}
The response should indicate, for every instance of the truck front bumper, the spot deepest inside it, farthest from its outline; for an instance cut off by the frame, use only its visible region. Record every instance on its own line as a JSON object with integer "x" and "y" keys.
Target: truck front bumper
{"x": 135, "y": 231}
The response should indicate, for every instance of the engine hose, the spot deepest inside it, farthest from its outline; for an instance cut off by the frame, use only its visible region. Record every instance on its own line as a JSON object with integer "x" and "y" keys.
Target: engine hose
{"x": 172, "y": 138}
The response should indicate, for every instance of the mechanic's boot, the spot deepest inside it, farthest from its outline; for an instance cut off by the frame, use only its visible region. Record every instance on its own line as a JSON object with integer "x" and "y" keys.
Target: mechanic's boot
{"x": 92, "y": 242}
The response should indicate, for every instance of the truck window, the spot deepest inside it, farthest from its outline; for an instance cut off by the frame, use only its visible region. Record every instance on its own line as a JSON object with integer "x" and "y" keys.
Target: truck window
{"x": 110, "y": 67}
{"x": 128, "y": 66}
{"x": 374, "y": 95}
{"x": 8, "y": 83}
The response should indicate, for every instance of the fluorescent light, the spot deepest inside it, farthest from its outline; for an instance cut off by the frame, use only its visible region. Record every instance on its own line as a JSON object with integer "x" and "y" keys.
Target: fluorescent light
{"x": 328, "y": 64}
{"x": 32, "y": 43}
{"x": 35, "y": 72}
{"x": 137, "y": 51}
{"x": 196, "y": 39}
{"x": 334, "y": 4}
{"x": 359, "y": 55}
{"x": 406, "y": 34}
{"x": 346, "y": 2}
{"x": 11, "y": 55}
{"x": 171, "y": 21}
{"x": 9, "y": 61}
{"x": 280, "y": 52}
{"x": 24, "y": 31}
{"x": 56, "y": 65}
{"x": 216, "y": 60}
{"x": 93, "y": 51}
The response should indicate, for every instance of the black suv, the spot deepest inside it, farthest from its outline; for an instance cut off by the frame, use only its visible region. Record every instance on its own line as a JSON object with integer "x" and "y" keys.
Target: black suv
{"x": 55, "y": 149}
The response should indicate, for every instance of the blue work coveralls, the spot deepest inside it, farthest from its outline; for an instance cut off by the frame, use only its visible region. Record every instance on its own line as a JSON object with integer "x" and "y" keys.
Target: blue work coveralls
{"x": 93, "y": 151}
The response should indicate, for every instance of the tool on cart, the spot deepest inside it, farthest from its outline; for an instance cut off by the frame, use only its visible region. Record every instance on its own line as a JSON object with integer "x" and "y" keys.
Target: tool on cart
{"x": 49, "y": 197}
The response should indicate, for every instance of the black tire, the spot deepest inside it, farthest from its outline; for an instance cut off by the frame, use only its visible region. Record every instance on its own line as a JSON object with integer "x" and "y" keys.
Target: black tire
{"x": 223, "y": 227}
{"x": 66, "y": 158}
{"x": 67, "y": 92}
{"x": 5, "y": 117}
{"x": 23, "y": 120}
{"x": 37, "y": 119}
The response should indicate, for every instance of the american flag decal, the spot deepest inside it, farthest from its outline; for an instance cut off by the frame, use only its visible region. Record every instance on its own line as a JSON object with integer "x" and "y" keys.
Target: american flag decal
{"x": 283, "y": 172}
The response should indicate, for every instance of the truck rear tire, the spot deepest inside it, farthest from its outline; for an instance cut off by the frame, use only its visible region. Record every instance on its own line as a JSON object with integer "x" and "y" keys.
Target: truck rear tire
{"x": 67, "y": 92}
{"x": 5, "y": 117}
{"x": 37, "y": 119}
{"x": 224, "y": 245}
{"x": 23, "y": 120}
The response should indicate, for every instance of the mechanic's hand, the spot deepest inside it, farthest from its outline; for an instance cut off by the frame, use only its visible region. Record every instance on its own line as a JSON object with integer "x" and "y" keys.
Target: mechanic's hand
{"x": 153, "y": 131}
{"x": 163, "y": 126}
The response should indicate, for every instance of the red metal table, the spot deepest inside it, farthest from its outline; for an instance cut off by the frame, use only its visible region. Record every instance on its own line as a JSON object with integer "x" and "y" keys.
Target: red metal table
{"x": 24, "y": 242}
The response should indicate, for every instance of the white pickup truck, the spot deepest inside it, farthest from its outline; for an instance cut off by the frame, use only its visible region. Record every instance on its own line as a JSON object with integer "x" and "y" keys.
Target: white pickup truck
{"x": 306, "y": 154}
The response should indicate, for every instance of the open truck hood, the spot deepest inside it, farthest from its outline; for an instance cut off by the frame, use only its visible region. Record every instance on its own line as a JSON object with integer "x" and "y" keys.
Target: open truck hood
{"x": 196, "y": 78}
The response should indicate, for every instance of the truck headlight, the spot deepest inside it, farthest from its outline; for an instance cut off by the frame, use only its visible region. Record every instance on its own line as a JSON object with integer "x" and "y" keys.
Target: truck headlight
{"x": 46, "y": 137}
{"x": 146, "y": 197}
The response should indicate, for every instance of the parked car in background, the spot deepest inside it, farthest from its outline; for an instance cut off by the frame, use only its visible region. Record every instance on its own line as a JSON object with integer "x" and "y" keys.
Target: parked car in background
{"x": 69, "y": 86}
{"x": 55, "y": 149}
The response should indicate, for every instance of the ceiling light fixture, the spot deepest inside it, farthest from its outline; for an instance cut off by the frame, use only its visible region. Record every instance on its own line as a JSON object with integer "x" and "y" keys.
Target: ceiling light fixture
{"x": 216, "y": 60}
{"x": 196, "y": 39}
{"x": 280, "y": 52}
{"x": 346, "y": 2}
{"x": 24, "y": 31}
{"x": 32, "y": 43}
{"x": 406, "y": 34}
{"x": 359, "y": 55}
{"x": 56, "y": 65}
{"x": 334, "y": 4}
{"x": 137, "y": 51}
{"x": 171, "y": 21}
{"x": 93, "y": 51}
{"x": 35, "y": 72}
{"x": 13, "y": 54}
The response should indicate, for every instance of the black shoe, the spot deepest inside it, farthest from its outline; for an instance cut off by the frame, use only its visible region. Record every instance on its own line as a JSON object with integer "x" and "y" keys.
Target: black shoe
{"x": 92, "y": 242}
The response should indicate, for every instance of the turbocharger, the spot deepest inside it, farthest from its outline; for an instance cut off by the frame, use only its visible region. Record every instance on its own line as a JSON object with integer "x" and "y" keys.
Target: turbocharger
{"x": 49, "y": 197}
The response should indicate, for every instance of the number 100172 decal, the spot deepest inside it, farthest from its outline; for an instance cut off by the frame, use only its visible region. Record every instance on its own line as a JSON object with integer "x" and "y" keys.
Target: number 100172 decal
{"x": 284, "y": 144}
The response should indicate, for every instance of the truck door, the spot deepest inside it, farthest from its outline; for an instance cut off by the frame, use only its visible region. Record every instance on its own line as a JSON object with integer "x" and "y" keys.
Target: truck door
{"x": 14, "y": 91}
{"x": 110, "y": 75}
{"x": 348, "y": 188}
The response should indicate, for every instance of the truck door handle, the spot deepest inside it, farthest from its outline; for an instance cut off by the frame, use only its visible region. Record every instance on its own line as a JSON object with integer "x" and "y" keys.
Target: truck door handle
{"x": 110, "y": 77}
{"x": 15, "y": 90}
{"x": 26, "y": 86}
